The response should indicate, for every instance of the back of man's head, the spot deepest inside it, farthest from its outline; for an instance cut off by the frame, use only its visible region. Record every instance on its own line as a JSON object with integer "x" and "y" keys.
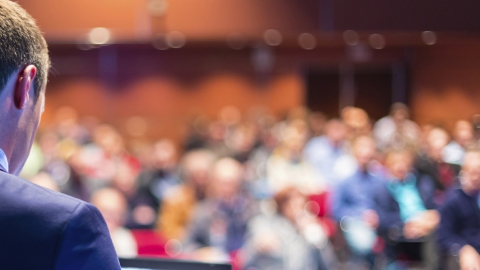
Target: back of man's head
{"x": 21, "y": 44}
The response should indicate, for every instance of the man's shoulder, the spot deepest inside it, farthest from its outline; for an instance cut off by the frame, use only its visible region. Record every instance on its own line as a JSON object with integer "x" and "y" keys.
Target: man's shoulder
{"x": 32, "y": 201}
{"x": 458, "y": 199}
{"x": 55, "y": 230}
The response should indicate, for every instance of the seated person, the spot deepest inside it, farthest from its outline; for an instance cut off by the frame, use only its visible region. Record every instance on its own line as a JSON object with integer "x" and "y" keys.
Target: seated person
{"x": 218, "y": 224}
{"x": 287, "y": 166}
{"x": 180, "y": 201}
{"x": 406, "y": 210}
{"x": 459, "y": 230}
{"x": 288, "y": 238}
{"x": 327, "y": 151}
{"x": 113, "y": 206}
{"x": 396, "y": 129}
{"x": 353, "y": 205}
{"x": 462, "y": 135}
{"x": 432, "y": 163}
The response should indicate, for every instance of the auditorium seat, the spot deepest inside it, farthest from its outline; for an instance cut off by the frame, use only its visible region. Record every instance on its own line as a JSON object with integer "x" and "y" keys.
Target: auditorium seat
{"x": 150, "y": 243}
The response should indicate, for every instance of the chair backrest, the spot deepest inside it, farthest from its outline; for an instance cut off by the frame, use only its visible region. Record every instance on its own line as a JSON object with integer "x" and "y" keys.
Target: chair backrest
{"x": 150, "y": 243}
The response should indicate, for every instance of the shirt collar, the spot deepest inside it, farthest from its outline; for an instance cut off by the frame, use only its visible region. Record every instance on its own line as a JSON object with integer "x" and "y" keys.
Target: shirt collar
{"x": 410, "y": 180}
{"x": 3, "y": 161}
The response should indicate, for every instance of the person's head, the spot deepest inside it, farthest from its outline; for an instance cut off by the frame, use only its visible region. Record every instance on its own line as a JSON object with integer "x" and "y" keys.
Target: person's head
{"x": 317, "y": 122}
{"x": 195, "y": 167}
{"x": 23, "y": 77}
{"x": 437, "y": 139}
{"x": 471, "y": 168}
{"x": 295, "y": 136}
{"x": 227, "y": 175}
{"x": 290, "y": 202}
{"x": 357, "y": 120}
{"x": 108, "y": 138}
{"x": 363, "y": 150}
{"x": 399, "y": 162}
{"x": 243, "y": 137}
{"x": 113, "y": 206}
{"x": 336, "y": 131}
{"x": 164, "y": 154}
{"x": 125, "y": 178}
{"x": 463, "y": 132}
{"x": 399, "y": 112}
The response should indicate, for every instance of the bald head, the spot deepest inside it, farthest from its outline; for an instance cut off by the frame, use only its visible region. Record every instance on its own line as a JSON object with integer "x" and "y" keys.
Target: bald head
{"x": 471, "y": 169}
{"x": 227, "y": 175}
{"x": 463, "y": 132}
{"x": 363, "y": 150}
{"x": 437, "y": 139}
{"x": 195, "y": 167}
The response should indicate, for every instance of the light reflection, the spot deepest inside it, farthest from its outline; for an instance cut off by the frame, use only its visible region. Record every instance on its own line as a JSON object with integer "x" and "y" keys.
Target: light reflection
{"x": 157, "y": 7}
{"x": 312, "y": 208}
{"x": 429, "y": 37}
{"x": 273, "y": 37}
{"x": 307, "y": 41}
{"x": 99, "y": 36}
{"x": 176, "y": 39}
{"x": 351, "y": 37}
{"x": 377, "y": 41}
{"x": 173, "y": 247}
{"x": 160, "y": 42}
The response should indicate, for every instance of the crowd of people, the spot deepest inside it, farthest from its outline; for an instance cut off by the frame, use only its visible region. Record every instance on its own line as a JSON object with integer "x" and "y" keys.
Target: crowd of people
{"x": 301, "y": 192}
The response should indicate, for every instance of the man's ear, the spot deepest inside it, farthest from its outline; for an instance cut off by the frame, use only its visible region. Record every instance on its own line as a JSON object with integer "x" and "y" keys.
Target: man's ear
{"x": 23, "y": 86}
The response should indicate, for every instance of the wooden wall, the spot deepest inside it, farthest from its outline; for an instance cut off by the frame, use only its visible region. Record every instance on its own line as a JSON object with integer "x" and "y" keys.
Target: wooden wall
{"x": 446, "y": 83}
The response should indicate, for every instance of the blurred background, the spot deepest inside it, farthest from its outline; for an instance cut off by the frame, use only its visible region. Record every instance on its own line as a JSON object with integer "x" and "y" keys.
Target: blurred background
{"x": 146, "y": 97}
{"x": 178, "y": 58}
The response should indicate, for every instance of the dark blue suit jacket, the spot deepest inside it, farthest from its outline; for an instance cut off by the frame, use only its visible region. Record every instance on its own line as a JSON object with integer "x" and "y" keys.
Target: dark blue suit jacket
{"x": 42, "y": 229}
{"x": 460, "y": 223}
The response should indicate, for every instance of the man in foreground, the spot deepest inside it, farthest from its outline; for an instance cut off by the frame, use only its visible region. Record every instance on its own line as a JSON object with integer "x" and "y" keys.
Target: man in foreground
{"x": 39, "y": 229}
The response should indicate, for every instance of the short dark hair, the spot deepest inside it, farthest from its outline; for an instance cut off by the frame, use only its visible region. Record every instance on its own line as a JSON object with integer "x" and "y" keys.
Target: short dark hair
{"x": 21, "y": 44}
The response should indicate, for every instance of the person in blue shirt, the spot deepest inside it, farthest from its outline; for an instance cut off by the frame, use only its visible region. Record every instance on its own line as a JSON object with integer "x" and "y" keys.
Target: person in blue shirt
{"x": 406, "y": 211}
{"x": 353, "y": 205}
{"x": 325, "y": 151}
{"x": 39, "y": 228}
{"x": 459, "y": 231}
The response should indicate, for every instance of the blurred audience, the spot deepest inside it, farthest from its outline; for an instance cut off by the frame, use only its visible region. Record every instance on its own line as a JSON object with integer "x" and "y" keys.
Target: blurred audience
{"x": 462, "y": 136}
{"x": 142, "y": 208}
{"x": 262, "y": 191}
{"x": 219, "y": 222}
{"x": 406, "y": 211}
{"x": 180, "y": 201}
{"x": 160, "y": 171}
{"x": 326, "y": 151}
{"x": 113, "y": 206}
{"x": 396, "y": 130}
{"x": 459, "y": 232}
{"x": 287, "y": 166}
{"x": 357, "y": 122}
{"x": 354, "y": 205}
{"x": 288, "y": 238}
{"x": 45, "y": 180}
{"x": 431, "y": 163}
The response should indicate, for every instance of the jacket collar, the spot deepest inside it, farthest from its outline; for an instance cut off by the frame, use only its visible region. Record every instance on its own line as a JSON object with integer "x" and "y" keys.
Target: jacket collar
{"x": 3, "y": 161}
